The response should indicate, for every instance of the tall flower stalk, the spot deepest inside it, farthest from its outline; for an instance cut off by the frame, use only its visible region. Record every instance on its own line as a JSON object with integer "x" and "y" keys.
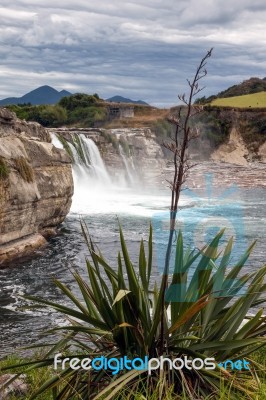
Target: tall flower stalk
{"x": 184, "y": 134}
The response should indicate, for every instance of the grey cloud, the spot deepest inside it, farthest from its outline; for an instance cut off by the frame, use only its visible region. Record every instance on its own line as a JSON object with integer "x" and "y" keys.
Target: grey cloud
{"x": 139, "y": 49}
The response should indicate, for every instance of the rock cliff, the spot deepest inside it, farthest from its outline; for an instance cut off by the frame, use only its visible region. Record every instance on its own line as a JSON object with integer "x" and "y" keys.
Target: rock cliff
{"x": 233, "y": 135}
{"x": 36, "y": 186}
{"x": 241, "y": 133}
{"x": 137, "y": 147}
{"x": 234, "y": 151}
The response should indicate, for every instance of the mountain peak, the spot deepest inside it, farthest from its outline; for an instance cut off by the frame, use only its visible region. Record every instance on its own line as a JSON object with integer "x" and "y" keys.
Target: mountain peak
{"x": 42, "y": 95}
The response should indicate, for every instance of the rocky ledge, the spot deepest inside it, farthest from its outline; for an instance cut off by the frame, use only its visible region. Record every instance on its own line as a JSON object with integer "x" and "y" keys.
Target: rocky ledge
{"x": 36, "y": 186}
{"x": 134, "y": 150}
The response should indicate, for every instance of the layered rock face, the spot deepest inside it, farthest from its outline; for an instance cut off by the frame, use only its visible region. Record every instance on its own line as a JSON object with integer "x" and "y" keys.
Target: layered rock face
{"x": 137, "y": 146}
{"x": 242, "y": 132}
{"x": 36, "y": 186}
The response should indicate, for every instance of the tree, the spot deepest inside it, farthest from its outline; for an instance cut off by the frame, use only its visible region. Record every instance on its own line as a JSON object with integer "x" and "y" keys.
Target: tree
{"x": 78, "y": 100}
{"x": 52, "y": 116}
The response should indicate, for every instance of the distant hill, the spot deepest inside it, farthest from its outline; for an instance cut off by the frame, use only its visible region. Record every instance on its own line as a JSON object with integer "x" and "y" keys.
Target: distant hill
{"x": 41, "y": 95}
{"x": 121, "y": 99}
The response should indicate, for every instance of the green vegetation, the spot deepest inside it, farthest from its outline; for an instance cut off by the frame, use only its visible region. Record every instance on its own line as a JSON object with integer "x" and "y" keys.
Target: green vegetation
{"x": 79, "y": 100}
{"x": 249, "y": 86}
{"x": 78, "y": 147}
{"x": 46, "y": 115}
{"x": 112, "y": 317}
{"x": 216, "y": 122}
{"x": 253, "y": 129}
{"x": 111, "y": 139}
{"x": 212, "y": 126}
{"x": 88, "y": 116}
{"x": 79, "y": 109}
{"x": 125, "y": 146}
{"x": 256, "y": 100}
{"x": 83, "y": 109}
{"x": 24, "y": 169}
{"x": 52, "y": 116}
{"x": 66, "y": 146}
{"x": 162, "y": 129}
{"x": 4, "y": 169}
{"x": 37, "y": 377}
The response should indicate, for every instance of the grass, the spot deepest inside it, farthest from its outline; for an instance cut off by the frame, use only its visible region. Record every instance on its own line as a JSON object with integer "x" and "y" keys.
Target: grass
{"x": 255, "y": 100}
{"x": 37, "y": 377}
{"x": 4, "y": 170}
{"x": 24, "y": 168}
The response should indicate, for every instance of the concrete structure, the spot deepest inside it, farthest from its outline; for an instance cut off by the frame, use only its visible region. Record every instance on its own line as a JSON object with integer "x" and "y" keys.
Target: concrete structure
{"x": 120, "y": 110}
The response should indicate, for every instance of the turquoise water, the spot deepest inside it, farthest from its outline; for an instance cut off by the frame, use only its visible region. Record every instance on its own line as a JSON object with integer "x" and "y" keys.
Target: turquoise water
{"x": 199, "y": 216}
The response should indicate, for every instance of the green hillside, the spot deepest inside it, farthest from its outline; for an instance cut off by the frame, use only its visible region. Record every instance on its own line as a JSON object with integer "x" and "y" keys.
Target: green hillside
{"x": 249, "y": 86}
{"x": 255, "y": 100}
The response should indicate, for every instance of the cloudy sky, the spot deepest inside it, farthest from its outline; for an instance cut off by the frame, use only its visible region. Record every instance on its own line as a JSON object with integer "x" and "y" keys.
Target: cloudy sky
{"x": 142, "y": 49}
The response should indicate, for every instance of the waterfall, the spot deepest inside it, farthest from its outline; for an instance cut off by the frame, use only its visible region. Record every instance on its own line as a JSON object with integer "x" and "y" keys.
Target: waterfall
{"x": 80, "y": 170}
{"x": 88, "y": 163}
{"x": 129, "y": 165}
{"x": 95, "y": 190}
{"x": 94, "y": 160}
{"x": 55, "y": 141}
{"x": 75, "y": 155}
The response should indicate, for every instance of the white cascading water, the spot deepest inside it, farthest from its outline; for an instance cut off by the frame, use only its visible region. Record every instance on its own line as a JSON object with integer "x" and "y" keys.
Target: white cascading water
{"x": 80, "y": 171}
{"x": 94, "y": 160}
{"x": 95, "y": 193}
{"x": 75, "y": 155}
{"x": 55, "y": 141}
{"x": 129, "y": 165}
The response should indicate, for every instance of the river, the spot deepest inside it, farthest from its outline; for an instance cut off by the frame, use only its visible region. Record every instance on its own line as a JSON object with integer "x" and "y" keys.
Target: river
{"x": 217, "y": 195}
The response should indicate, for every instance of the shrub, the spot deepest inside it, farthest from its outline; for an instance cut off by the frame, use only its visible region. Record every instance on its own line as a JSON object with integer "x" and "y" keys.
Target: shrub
{"x": 4, "y": 169}
{"x": 162, "y": 129}
{"x": 125, "y": 146}
{"x": 24, "y": 169}
{"x": 79, "y": 100}
{"x": 52, "y": 116}
{"x": 110, "y": 138}
{"x": 21, "y": 112}
{"x": 87, "y": 116}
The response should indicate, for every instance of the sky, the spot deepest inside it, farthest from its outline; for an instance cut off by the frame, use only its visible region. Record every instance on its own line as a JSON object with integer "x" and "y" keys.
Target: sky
{"x": 141, "y": 49}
